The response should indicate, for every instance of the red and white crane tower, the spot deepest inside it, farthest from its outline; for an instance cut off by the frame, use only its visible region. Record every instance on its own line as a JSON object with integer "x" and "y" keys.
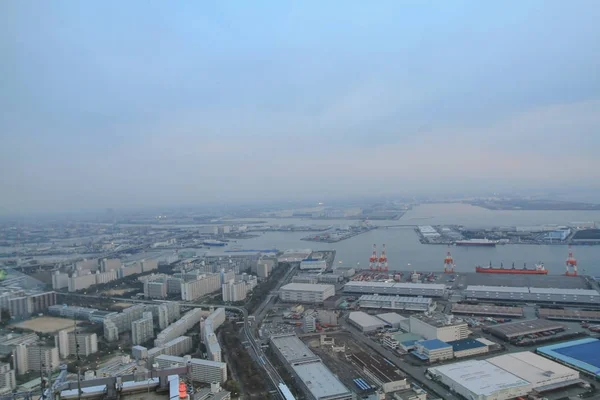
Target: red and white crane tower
{"x": 571, "y": 263}
{"x": 373, "y": 261}
{"x": 383, "y": 262}
{"x": 448, "y": 263}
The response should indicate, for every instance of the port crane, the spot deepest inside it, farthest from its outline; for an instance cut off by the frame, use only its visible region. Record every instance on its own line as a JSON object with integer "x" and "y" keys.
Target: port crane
{"x": 571, "y": 263}
{"x": 449, "y": 263}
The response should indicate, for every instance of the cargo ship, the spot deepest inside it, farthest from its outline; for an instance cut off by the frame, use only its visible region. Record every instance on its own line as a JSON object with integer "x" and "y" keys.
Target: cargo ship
{"x": 211, "y": 243}
{"x": 476, "y": 242}
{"x": 538, "y": 270}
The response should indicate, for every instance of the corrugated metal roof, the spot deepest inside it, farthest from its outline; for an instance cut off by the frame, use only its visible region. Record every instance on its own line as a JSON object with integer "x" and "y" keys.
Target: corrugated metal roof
{"x": 434, "y": 344}
{"x": 391, "y": 318}
{"x": 534, "y": 368}
{"x": 403, "y": 299}
{"x": 466, "y": 344}
{"x": 364, "y": 319}
{"x": 307, "y": 287}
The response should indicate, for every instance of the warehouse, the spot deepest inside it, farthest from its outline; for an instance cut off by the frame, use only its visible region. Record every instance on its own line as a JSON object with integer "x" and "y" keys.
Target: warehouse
{"x": 543, "y": 374}
{"x": 396, "y": 289}
{"x": 513, "y": 330}
{"x": 569, "y": 315}
{"x": 582, "y": 355}
{"x": 480, "y": 380}
{"x": 487, "y": 310}
{"x": 396, "y": 303}
{"x": 392, "y": 320}
{"x": 314, "y": 378}
{"x": 306, "y": 292}
{"x": 365, "y": 322}
{"x": 526, "y": 294}
{"x": 468, "y": 347}
{"x": 433, "y": 350}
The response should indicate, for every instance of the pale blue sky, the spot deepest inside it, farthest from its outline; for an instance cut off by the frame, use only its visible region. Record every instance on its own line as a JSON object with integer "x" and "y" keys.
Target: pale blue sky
{"x": 125, "y": 103}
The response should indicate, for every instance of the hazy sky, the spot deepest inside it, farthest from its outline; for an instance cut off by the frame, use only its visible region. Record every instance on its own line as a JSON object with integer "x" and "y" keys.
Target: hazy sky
{"x": 125, "y": 103}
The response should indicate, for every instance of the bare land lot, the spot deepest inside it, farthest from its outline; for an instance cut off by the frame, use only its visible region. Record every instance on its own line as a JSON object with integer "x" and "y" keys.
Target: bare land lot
{"x": 46, "y": 324}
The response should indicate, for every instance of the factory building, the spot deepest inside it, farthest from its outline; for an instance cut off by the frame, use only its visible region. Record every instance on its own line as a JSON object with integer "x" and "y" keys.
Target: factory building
{"x": 512, "y": 331}
{"x": 528, "y": 294}
{"x": 581, "y": 354}
{"x": 439, "y": 326}
{"x": 560, "y": 234}
{"x": 396, "y": 289}
{"x": 422, "y": 304}
{"x": 306, "y": 293}
{"x": 487, "y": 310}
{"x": 480, "y": 380}
{"x": 433, "y": 350}
{"x": 315, "y": 380}
{"x": 393, "y": 320}
{"x": 543, "y": 374}
{"x": 404, "y": 341}
{"x": 468, "y": 347}
{"x": 365, "y": 322}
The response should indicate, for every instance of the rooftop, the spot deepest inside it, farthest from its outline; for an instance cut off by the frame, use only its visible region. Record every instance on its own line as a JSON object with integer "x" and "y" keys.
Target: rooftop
{"x": 405, "y": 285}
{"x": 532, "y": 367}
{"x": 466, "y": 344}
{"x": 433, "y": 344}
{"x": 486, "y": 309}
{"x": 307, "y": 287}
{"x": 320, "y": 380}
{"x": 403, "y": 299}
{"x": 391, "y": 318}
{"x": 364, "y": 319}
{"x": 438, "y": 320}
{"x": 480, "y": 377}
{"x": 292, "y": 348}
{"x": 583, "y": 354}
{"x": 535, "y": 290}
{"x": 520, "y": 328}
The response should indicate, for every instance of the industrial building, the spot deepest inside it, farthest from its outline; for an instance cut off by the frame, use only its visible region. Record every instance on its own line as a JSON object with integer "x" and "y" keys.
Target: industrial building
{"x": 396, "y": 289}
{"x": 384, "y": 375}
{"x": 313, "y": 264}
{"x": 543, "y": 374}
{"x": 313, "y": 377}
{"x": 365, "y": 322}
{"x": 513, "y": 330}
{"x": 306, "y": 293}
{"x": 404, "y": 341}
{"x": 422, "y": 304}
{"x": 569, "y": 315}
{"x": 538, "y": 295}
{"x": 392, "y": 320}
{"x": 439, "y": 326}
{"x": 468, "y": 347}
{"x": 486, "y": 310}
{"x": 433, "y": 350}
{"x": 582, "y": 355}
{"x": 480, "y": 380}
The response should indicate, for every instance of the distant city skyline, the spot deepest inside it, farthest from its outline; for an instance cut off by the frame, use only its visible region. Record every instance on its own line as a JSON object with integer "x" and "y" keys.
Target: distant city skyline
{"x": 122, "y": 105}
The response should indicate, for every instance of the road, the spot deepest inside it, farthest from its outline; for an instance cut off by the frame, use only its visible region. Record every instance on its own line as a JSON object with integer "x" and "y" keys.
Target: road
{"x": 416, "y": 373}
{"x": 265, "y": 306}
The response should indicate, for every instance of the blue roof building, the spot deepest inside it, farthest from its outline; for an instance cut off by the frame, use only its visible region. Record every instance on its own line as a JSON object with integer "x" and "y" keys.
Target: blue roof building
{"x": 468, "y": 347}
{"x": 582, "y": 354}
{"x": 433, "y": 350}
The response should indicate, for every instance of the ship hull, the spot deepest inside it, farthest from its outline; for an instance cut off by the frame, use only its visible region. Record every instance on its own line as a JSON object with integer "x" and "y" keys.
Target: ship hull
{"x": 511, "y": 271}
{"x": 476, "y": 244}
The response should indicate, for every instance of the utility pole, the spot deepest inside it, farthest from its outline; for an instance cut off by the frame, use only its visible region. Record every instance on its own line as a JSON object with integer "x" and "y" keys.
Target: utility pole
{"x": 78, "y": 360}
